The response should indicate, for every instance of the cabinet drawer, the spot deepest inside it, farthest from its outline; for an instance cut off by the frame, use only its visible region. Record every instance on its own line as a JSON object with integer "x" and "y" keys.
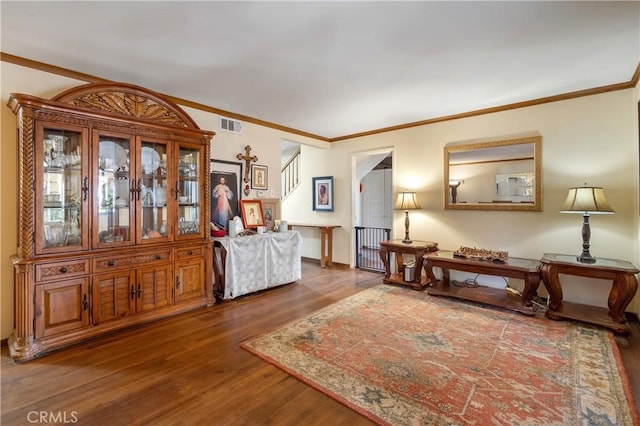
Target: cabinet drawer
{"x": 58, "y": 270}
{"x": 189, "y": 252}
{"x": 110, "y": 263}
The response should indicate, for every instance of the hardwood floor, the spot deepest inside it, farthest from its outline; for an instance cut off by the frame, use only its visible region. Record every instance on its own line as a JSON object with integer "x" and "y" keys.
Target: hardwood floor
{"x": 190, "y": 369}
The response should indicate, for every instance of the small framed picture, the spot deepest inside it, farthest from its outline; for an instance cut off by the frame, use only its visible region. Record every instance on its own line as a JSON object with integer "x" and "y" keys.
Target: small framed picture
{"x": 252, "y": 213}
{"x": 323, "y": 193}
{"x": 271, "y": 210}
{"x": 259, "y": 177}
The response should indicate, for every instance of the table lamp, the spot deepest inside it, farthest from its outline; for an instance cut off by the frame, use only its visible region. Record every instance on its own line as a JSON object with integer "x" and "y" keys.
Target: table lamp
{"x": 587, "y": 200}
{"x": 406, "y": 201}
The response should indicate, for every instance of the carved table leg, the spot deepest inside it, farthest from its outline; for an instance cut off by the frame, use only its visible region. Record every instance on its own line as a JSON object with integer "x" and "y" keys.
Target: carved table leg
{"x": 445, "y": 276}
{"x": 428, "y": 270}
{"x": 530, "y": 291}
{"x": 384, "y": 256}
{"x": 417, "y": 279}
{"x": 552, "y": 284}
{"x": 622, "y": 292}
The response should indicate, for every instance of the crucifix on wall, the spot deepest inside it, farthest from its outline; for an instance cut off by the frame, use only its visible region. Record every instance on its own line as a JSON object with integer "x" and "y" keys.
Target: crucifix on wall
{"x": 248, "y": 158}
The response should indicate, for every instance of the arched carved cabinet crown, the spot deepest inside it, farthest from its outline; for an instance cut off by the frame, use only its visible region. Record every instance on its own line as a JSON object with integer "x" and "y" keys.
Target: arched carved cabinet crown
{"x": 127, "y": 100}
{"x": 112, "y": 245}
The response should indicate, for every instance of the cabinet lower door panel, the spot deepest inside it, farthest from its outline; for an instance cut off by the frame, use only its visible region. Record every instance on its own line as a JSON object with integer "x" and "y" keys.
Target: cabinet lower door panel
{"x": 190, "y": 280}
{"x": 153, "y": 288}
{"x": 62, "y": 306}
{"x": 112, "y": 296}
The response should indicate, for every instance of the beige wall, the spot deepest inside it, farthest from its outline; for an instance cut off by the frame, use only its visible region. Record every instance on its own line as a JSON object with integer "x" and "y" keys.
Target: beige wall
{"x": 592, "y": 139}
{"x": 319, "y": 162}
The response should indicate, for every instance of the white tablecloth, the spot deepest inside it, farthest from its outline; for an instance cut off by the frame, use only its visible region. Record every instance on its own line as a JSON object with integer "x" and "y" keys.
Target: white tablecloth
{"x": 261, "y": 261}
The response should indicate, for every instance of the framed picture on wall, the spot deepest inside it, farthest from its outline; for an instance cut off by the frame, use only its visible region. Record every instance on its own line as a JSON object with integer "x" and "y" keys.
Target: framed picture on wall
{"x": 271, "y": 210}
{"x": 252, "y": 214}
{"x": 259, "y": 177}
{"x": 323, "y": 193}
{"x": 225, "y": 191}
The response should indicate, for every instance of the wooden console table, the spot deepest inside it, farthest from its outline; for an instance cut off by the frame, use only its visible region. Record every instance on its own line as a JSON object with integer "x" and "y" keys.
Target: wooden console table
{"x": 525, "y": 269}
{"x": 623, "y": 289}
{"x": 326, "y": 241}
{"x": 416, "y": 248}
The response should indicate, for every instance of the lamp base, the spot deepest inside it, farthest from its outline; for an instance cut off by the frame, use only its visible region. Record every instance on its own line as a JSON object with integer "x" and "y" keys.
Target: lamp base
{"x": 586, "y": 258}
{"x": 406, "y": 239}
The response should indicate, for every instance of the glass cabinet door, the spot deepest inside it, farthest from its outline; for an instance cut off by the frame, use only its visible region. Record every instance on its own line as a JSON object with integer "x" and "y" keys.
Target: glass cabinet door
{"x": 153, "y": 192}
{"x": 61, "y": 175}
{"x": 113, "y": 212}
{"x": 189, "y": 191}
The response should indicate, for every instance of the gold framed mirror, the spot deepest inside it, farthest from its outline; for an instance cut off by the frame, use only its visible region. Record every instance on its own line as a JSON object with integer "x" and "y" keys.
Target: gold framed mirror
{"x": 495, "y": 175}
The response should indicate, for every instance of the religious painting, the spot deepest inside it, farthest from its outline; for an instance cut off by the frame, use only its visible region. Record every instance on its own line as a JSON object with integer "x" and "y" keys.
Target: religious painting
{"x": 226, "y": 191}
{"x": 323, "y": 193}
{"x": 259, "y": 177}
{"x": 271, "y": 209}
{"x": 252, "y": 214}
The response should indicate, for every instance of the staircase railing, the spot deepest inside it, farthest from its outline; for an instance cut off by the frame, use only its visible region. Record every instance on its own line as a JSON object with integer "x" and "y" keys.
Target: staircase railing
{"x": 290, "y": 174}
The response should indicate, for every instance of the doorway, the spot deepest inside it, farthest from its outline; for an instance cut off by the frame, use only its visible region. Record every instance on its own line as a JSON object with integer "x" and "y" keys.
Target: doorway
{"x": 374, "y": 219}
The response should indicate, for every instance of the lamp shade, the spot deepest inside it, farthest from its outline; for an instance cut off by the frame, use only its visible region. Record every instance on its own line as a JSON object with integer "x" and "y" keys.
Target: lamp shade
{"x": 587, "y": 199}
{"x": 407, "y": 201}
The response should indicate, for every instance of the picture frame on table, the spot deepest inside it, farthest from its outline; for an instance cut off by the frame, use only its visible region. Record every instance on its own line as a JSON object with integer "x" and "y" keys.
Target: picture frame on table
{"x": 323, "y": 193}
{"x": 226, "y": 191}
{"x": 259, "y": 177}
{"x": 252, "y": 213}
{"x": 271, "y": 210}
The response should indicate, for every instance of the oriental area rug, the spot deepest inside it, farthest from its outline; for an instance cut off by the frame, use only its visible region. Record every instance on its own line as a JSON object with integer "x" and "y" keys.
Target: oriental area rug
{"x": 402, "y": 357}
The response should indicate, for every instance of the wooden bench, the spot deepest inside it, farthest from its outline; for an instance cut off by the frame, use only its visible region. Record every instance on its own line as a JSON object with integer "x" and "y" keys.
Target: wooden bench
{"x": 326, "y": 241}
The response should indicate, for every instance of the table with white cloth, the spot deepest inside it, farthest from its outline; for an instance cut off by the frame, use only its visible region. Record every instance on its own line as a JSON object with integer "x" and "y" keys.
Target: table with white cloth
{"x": 247, "y": 264}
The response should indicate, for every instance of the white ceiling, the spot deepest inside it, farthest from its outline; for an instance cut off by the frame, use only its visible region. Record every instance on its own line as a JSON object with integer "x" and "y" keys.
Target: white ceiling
{"x": 336, "y": 68}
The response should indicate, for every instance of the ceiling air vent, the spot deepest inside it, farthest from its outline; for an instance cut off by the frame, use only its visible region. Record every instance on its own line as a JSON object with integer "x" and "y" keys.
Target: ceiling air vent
{"x": 230, "y": 125}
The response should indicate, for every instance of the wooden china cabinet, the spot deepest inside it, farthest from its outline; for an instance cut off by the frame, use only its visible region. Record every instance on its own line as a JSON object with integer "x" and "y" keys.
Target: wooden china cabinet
{"x": 113, "y": 214}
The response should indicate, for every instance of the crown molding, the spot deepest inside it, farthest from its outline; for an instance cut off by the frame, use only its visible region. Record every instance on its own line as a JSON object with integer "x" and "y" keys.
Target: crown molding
{"x": 41, "y": 66}
{"x": 633, "y": 82}
{"x": 555, "y": 98}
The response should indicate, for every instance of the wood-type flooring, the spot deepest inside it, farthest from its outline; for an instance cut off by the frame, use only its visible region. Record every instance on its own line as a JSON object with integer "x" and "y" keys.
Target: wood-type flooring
{"x": 190, "y": 369}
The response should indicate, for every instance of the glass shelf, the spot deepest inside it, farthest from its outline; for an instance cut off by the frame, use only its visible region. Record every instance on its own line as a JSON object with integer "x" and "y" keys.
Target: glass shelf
{"x": 59, "y": 206}
{"x": 60, "y": 170}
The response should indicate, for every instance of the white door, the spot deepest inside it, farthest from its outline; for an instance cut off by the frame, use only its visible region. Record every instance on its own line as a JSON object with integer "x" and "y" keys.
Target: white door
{"x": 377, "y": 204}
